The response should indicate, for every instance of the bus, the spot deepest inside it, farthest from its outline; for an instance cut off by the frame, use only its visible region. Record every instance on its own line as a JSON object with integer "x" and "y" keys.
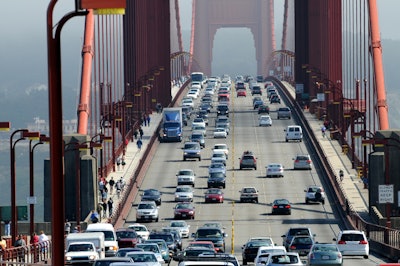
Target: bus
{"x": 198, "y": 76}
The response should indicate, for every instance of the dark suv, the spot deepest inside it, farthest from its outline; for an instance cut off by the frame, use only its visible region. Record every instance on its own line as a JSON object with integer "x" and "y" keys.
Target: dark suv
{"x": 222, "y": 109}
{"x": 256, "y": 90}
{"x": 296, "y": 231}
{"x": 168, "y": 237}
{"x": 214, "y": 234}
{"x": 248, "y": 160}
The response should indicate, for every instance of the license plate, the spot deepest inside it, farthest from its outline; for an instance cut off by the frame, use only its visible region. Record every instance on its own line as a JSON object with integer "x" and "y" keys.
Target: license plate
{"x": 280, "y": 207}
{"x": 183, "y": 215}
{"x": 325, "y": 257}
{"x": 146, "y": 217}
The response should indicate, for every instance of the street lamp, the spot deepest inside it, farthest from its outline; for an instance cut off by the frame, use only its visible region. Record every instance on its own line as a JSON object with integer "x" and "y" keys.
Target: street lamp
{"x": 5, "y": 126}
{"x": 24, "y": 133}
{"x": 32, "y": 199}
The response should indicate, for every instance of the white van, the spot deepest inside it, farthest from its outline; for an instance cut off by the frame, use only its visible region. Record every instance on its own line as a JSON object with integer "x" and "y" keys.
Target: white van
{"x": 84, "y": 248}
{"x": 110, "y": 238}
{"x": 294, "y": 133}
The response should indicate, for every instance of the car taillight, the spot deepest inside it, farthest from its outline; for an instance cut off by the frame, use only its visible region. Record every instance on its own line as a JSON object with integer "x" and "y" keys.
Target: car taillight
{"x": 254, "y": 160}
{"x": 341, "y": 242}
{"x": 275, "y": 207}
{"x": 287, "y": 206}
{"x": 363, "y": 242}
{"x": 308, "y": 161}
{"x": 292, "y": 247}
{"x": 296, "y": 161}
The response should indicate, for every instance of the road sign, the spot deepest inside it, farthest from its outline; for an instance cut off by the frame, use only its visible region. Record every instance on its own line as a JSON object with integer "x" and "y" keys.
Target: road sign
{"x": 386, "y": 194}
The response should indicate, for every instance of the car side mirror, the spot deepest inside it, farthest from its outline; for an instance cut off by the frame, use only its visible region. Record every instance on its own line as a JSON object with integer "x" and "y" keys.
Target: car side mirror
{"x": 305, "y": 190}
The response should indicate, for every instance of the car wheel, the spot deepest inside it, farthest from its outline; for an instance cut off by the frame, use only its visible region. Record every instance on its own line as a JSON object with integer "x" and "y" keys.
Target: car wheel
{"x": 323, "y": 202}
{"x": 287, "y": 140}
{"x": 157, "y": 219}
{"x": 307, "y": 201}
{"x": 255, "y": 167}
{"x": 278, "y": 117}
{"x": 184, "y": 158}
{"x": 256, "y": 200}
{"x": 365, "y": 256}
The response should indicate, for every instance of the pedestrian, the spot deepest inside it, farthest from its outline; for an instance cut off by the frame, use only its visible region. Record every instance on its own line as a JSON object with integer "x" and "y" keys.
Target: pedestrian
{"x": 323, "y": 130}
{"x": 101, "y": 186}
{"x": 104, "y": 208}
{"x": 141, "y": 132}
{"x": 7, "y": 227}
{"x": 139, "y": 144}
{"x": 3, "y": 247}
{"x": 148, "y": 120}
{"x": 34, "y": 238}
{"x": 135, "y": 133}
{"x": 341, "y": 175}
{"x": 110, "y": 204}
{"x": 123, "y": 162}
{"x": 67, "y": 227}
{"x": 104, "y": 195}
{"x": 144, "y": 118}
{"x": 118, "y": 186}
{"x": 94, "y": 216}
{"x": 119, "y": 160}
{"x": 100, "y": 211}
{"x": 20, "y": 242}
{"x": 112, "y": 184}
{"x": 75, "y": 230}
{"x": 43, "y": 242}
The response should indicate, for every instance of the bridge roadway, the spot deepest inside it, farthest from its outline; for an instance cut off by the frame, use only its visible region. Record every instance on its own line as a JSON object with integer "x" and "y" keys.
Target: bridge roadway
{"x": 244, "y": 220}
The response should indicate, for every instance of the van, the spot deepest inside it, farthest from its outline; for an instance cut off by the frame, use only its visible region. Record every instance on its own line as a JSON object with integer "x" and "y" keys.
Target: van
{"x": 81, "y": 248}
{"x": 110, "y": 238}
{"x": 294, "y": 133}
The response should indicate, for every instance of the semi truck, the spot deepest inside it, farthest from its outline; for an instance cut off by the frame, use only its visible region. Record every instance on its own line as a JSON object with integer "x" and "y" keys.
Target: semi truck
{"x": 172, "y": 126}
{"x": 84, "y": 247}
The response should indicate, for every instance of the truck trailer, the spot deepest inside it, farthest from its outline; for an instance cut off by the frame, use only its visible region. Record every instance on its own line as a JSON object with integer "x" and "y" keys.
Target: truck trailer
{"x": 172, "y": 126}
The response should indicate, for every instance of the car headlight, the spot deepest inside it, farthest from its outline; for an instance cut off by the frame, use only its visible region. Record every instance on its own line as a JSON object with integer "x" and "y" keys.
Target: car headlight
{"x": 185, "y": 153}
{"x": 92, "y": 257}
{"x": 191, "y": 212}
{"x": 68, "y": 258}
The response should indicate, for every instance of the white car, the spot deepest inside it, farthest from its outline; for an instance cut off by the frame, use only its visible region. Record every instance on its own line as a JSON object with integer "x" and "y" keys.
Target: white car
{"x": 265, "y": 120}
{"x": 218, "y": 157}
{"x": 221, "y": 147}
{"x": 275, "y": 169}
{"x": 264, "y": 252}
{"x": 284, "y": 258}
{"x": 192, "y": 94}
{"x": 184, "y": 193}
{"x": 353, "y": 243}
{"x": 186, "y": 177}
{"x": 198, "y": 121}
{"x": 187, "y": 102}
{"x": 141, "y": 230}
{"x": 200, "y": 128}
{"x": 220, "y": 132}
{"x": 181, "y": 226}
{"x": 147, "y": 211}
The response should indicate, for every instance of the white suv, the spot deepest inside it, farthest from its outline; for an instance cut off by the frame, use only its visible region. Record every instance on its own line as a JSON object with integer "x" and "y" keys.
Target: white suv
{"x": 353, "y": 243}
{"x": 315, "y": 193}
{"x": 221, "y": 147}
{"x": 294, "y": 133}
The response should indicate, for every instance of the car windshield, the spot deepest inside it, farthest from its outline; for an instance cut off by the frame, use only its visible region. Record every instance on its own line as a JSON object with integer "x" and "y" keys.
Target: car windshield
{"x": 142, "y": 257}
{"x": 146, "y": 206}
{"x": 191, "y": 146}
{"x": 217, "y": 175}
{"x": 185, "y": 172}
{"x": 126, "y": 234}
{"x": 150, "y": 192}
{"x": 216, "y": 165}
{"x": 208, "y": 233}
{"x": 284, "y": 259}
{"x": 249, "y": 190}
{"x": 178, "y": 224}
{"x": 183, "y": 189}
{"x": 214, "y": 191}
{"x": 184, "y": 206}
{"x": 138, "y": 228}
{"x": 149, "y": 247}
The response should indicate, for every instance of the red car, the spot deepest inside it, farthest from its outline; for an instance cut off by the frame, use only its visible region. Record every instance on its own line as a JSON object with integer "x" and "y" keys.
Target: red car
{"x": 127, "y": 237}
{"x": 241, "y": 92}
{"x": 184, "y": 210}
{"x": 214, "y": 195}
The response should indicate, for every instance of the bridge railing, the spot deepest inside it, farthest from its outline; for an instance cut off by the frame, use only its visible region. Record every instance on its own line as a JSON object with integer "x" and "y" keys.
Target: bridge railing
{"x": 383, "y": 240}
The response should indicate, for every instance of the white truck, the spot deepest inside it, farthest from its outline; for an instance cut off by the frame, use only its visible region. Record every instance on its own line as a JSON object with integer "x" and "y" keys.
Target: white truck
{"x": 84, "y": 247}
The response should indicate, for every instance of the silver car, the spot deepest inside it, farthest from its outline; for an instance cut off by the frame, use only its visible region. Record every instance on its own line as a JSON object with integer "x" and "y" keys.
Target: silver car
{"x": 302, "y": 161}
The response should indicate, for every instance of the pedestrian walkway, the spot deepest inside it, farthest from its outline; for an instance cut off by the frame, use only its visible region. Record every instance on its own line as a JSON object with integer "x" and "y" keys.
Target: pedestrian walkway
{"x": 351, "y": 185}
{"x": 133, "y": 155}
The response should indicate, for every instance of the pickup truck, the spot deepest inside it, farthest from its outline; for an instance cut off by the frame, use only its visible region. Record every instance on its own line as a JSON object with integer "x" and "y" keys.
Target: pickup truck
{"x": 81, "y": 252}
{"x": 284, "y": 112}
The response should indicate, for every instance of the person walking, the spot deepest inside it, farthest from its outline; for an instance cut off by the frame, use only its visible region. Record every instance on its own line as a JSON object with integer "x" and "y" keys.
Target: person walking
{"x": 104, "y": 208}
{"x": 123, "y": 162}
{"x": 144, "y": 118}
{"x": 104, "y": 195}
{"x": 141, "y": 132}
{"x": 118, "y": 186}
{"x": 135, "y": 133}
{"x": 67, "y": 227}
{"x": 119, "y": 161}
{"x": 139, "y": 144}
{"x": 148, "y": 120}
{"x": 112, "y": 184}
{"x": 94, "y": 217}
{"x": 43, "y": 242}
{"x": 110, "y": 204}
{"x": 341, "y": 175}
{"x": 323, "y": 130}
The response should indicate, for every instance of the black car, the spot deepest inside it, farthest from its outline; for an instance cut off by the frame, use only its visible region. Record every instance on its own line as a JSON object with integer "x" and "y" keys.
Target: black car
{"x": 152, "y": 195}
{"x": 256, "y": 90}
{"x": 177, "y": 236}
{"x": 168, "y": 237}
{"x": 250, "y": 249}
{"x": 216, "y": 180}
{"x": 223, "y": 109}
{"x": 206, "y": 106}
{"x": 213, "y": 234}
{"x": 281, "y": 206}
{"x": 263, "y": 109}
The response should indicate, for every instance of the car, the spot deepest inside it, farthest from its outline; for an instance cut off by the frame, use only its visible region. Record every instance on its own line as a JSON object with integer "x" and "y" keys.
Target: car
{"x": 200, "y": 128}
{"x": 207, "y": 244}
{"x": 127, "y": 237}
{"x": 122, "y": 251}
{"x": 107, "y": 261}
{"x": 186, "y": 177}
{"x": 281, "y": 206}
{"x": 141, "y": 230}
{"x": 184, "y": 193}
{"x": 226, "y": 127}
{"x": 147, "y": 211}
{"x": 264, "y": 252}
{"x": 284, "y": 258}
{"x": 215, "y": 224}
{"x": 275, "y": 99}
{"x": 198, "y": 121}
{"x": 294, "y": 133}
{"x": 152, "y": 195}
{"x": 275, "y": 170}
{"x": 248, "y": 160}
{"x": 198, "y": 136}
{"x": 301, "y": 245}
{"x": 191, "y": 253}
{"x": 353, "y": 243}
{"x": 222, "y": 109}
{"x": 263, "y": 109}
{"x": 214, "y": 195}
{"x": 256, "y": 90}
{"x": 302, "y": 161}
{"x": 191, "y": 150}
{"x": 257, "y": 103}
{"x": 187, "y": 102}
{"x": 150, "y": 258}
{"x": 325, "y": 254}
{"x": 221, "y": 120}
{"x": 204, "y": 115}
{"x": 151, "y": 247}
{"x": 250, "y": 250}
{"x": 256, "y": 98}
{"x": 176, "y": 234}
{"x": 284, "y": 112}
{"x": 213, "y": 234}
{"x": 162, "y": 245}
{"x": 182, "y": 227}
{"x": 206, "y": 106}
{"x": 241, "y": 92}
{"x": 165, "y": 235}
{"x": 217, "y": 168}
{"x": 249, "y": 194}
{"x": 193, "y": 94}
{"x": 295, "y": 231}
{"x": 315, "y": 193}
{"x": 220, "y": 132}
{"x": 265, "y": 120}
{"x": 218, "y": 157}
{"x": 223, "y": 147}
{"x": 216, "y": 180}
{"x": 266, "y": 239}
{"x": 184, "y": 210}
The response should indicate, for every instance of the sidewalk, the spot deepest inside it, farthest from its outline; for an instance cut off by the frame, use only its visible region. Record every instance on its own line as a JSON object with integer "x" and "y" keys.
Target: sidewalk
{"x": 352, "y": 186}
{"x": 132, "y": 158}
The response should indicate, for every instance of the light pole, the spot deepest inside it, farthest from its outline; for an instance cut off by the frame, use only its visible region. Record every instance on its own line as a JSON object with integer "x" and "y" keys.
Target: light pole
{"x": 42, "y": 139}
{"x": 24, "y": 134}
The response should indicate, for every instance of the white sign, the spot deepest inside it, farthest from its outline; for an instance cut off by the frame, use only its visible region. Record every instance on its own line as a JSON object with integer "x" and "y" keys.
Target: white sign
{"x": 321, "y": 97}
{"x": 299, "y": 88}
{"x": 31, "y": 200}
{"x": 386, "y": 194}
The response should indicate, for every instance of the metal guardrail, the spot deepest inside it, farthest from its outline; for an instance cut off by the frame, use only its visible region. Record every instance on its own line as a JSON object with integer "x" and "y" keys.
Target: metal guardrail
{"x": 34, "y": 254}
{"x": 383, "y": 240}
